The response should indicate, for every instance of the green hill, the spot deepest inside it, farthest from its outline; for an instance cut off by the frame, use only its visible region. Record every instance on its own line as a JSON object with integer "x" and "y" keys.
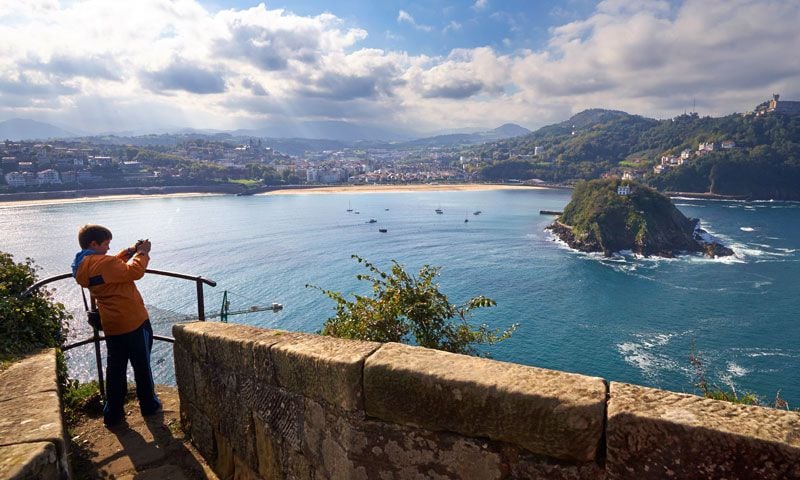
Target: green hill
{"x": 599, "y": 219}
{"x": 765, "y": 162}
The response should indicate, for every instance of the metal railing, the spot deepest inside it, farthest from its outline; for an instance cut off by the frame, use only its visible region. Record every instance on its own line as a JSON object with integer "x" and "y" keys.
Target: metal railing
{"x": 96, "y": 338}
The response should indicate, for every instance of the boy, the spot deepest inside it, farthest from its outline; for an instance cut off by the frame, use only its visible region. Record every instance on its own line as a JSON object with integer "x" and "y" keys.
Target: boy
{"x": 128, "y": 333}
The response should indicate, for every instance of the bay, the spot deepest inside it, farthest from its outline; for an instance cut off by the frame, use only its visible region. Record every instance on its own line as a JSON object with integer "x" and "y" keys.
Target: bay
{"x": 625, "y": 319}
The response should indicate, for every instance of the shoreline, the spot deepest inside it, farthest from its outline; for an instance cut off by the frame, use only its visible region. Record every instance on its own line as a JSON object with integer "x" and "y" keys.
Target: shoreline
{"x": 136, "y": 193}
{"x": 406, "y": 188}
{"x": 106, "y": 194}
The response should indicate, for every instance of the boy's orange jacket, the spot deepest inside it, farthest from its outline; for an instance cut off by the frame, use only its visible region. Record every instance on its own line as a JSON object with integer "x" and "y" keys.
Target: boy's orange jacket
{"x": 110, "y": 280}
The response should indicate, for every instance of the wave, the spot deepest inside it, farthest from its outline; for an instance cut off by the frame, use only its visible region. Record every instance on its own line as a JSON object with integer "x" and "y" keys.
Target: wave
{"x": 736, "y": 370}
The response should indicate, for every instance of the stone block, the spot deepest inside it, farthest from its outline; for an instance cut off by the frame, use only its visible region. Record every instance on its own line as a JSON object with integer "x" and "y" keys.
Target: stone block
{"x": 37, "y": 460}
{"x": 658, "y": 434}
{"x": 242, "y": 471}
{"x": 33, "y": 374}
{"x": 269, "y": 452}
{"x": 184, "y": 372}
{"x": 200, "y": 429}
{"x": 279, "y": 411}
{"x": 323, "y": 368}
{"x": 35, "y": 418}
{"x": 551, "y": 413}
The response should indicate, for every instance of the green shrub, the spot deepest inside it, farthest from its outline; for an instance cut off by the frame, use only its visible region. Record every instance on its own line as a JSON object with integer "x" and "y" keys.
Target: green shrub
{"x": 409, "y": 309}
{"x": 30, "y": 323}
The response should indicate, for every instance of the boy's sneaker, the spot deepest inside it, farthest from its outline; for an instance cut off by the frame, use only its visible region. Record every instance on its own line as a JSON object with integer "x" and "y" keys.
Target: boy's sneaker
{"x": 115, "y": 424}
{"x": 149, "y": 413}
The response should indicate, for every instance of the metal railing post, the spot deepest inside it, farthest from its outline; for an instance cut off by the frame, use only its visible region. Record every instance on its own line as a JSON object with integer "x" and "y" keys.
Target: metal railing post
{"x": 98, "y": 358}
{"x": 201, "y": 307}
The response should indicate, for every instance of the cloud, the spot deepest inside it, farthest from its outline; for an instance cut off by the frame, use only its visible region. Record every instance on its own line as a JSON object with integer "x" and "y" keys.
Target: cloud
{"x": 405, "y": 17}
{"x": 254, "y": 87}
{"x": 173, "y": 63}
{"x": 26, "y": 86}
{"x": 456, "y": 89}
{"x": 480, "y": 5}
{"x": 452, "y": 26}
{"x": 182, "y": 75}
{"x": 68, "y": 66}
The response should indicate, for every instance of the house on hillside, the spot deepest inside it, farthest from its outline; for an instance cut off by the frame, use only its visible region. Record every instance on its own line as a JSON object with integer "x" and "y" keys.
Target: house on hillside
{"x": 624, "y": 190}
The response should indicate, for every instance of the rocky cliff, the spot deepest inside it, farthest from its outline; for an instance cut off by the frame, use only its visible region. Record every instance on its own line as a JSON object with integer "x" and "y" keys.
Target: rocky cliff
{"x": 600, "y": 219}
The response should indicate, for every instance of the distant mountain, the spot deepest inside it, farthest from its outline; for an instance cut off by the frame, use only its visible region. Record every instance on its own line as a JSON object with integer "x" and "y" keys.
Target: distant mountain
{"x": 25, "y": 129}
{"x": 325, "y": 130}
{"x": 507, "y": 130}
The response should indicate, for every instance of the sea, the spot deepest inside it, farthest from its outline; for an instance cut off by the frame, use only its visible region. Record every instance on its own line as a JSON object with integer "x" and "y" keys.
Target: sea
{"x": 626, "y": 318}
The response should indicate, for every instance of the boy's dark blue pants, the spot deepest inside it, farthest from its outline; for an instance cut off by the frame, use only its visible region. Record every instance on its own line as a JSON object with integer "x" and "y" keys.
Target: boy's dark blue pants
{"x": 135, "y": 347}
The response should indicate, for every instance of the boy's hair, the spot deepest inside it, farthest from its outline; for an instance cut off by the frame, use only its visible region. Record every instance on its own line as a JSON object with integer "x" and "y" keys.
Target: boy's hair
{"x": 93, "y": 233}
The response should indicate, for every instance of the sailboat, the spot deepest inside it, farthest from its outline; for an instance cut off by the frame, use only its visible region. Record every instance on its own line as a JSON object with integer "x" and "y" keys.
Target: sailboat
{"x": 349, "y": 207}
{"x": 466, "y": 219}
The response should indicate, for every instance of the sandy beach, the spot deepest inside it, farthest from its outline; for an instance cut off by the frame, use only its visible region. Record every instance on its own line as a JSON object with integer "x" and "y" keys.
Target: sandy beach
{"x": 99, "y": 198}
{"x": 108, "y": 194}
{"x": 397, "y": 188}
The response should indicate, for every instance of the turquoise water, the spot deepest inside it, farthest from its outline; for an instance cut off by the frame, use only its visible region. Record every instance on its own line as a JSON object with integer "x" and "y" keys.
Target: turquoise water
{"x": 626, "y": 319}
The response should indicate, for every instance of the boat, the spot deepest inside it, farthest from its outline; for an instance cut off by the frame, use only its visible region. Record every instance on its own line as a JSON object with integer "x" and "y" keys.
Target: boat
{"x": 372, "y": 220}
{"x": 439, "y": 211}
{"x": 476, "y": 212}
{"x": 466, "y": 220}
{"x": 357, "y": 212}
{"x": 349, "y": 207}
{"x": 382, "y": 230}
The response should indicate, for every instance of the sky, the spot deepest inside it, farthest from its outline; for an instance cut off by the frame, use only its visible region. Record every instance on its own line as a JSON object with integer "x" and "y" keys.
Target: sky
{"x": 418, "y": 67}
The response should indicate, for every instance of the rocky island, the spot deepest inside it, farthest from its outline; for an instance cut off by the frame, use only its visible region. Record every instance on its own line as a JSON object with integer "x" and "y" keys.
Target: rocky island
{"x": 612, "y": 215}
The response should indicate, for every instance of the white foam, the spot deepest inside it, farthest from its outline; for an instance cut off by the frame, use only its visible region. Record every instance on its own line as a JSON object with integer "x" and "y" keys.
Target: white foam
{"x": 737, "y": 370}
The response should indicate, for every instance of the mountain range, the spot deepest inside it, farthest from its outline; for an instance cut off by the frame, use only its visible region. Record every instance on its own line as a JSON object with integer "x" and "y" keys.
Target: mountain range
{"x": 325, "y": 131}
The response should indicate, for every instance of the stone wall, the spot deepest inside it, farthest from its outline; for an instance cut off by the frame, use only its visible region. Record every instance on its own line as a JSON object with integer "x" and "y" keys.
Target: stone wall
{"x": 272, "y": 404}
{"x": 32, "y": 436}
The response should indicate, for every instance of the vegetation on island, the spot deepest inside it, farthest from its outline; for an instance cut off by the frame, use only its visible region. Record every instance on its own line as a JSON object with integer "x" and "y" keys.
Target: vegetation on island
{"x": 409, "y": 309}
{"x": 602, "y": 218}
{"x": 762, "y": 163}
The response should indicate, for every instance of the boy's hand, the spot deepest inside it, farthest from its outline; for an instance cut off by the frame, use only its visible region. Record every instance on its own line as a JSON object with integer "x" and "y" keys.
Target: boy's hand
{"x": 143, "y": 247}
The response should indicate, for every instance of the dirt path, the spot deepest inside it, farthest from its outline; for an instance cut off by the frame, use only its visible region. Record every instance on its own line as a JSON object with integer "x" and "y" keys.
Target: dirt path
{"x": 141, "y": 448}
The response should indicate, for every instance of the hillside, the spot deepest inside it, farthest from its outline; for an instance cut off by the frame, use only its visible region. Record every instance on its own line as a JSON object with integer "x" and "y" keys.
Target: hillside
{"x": 599, "y": 219}
{"x": 765, "y": 162}
{"x": 504, "y": 131}
{"x": 24, "y": 129}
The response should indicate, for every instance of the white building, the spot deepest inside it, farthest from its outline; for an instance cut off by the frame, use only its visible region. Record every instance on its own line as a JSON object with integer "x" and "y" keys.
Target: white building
{"x": 686, "y": 154}
{"x": 48, "y": 177}
{"x": 537, "y": 151}
{"x": 15, "y": 179}
{"x": 624, "y": 190}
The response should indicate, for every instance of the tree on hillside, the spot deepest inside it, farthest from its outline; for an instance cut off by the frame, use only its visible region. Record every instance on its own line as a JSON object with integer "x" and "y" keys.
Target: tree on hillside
{"x": 408, "y": 309}
{"x": 26, "y": 323}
